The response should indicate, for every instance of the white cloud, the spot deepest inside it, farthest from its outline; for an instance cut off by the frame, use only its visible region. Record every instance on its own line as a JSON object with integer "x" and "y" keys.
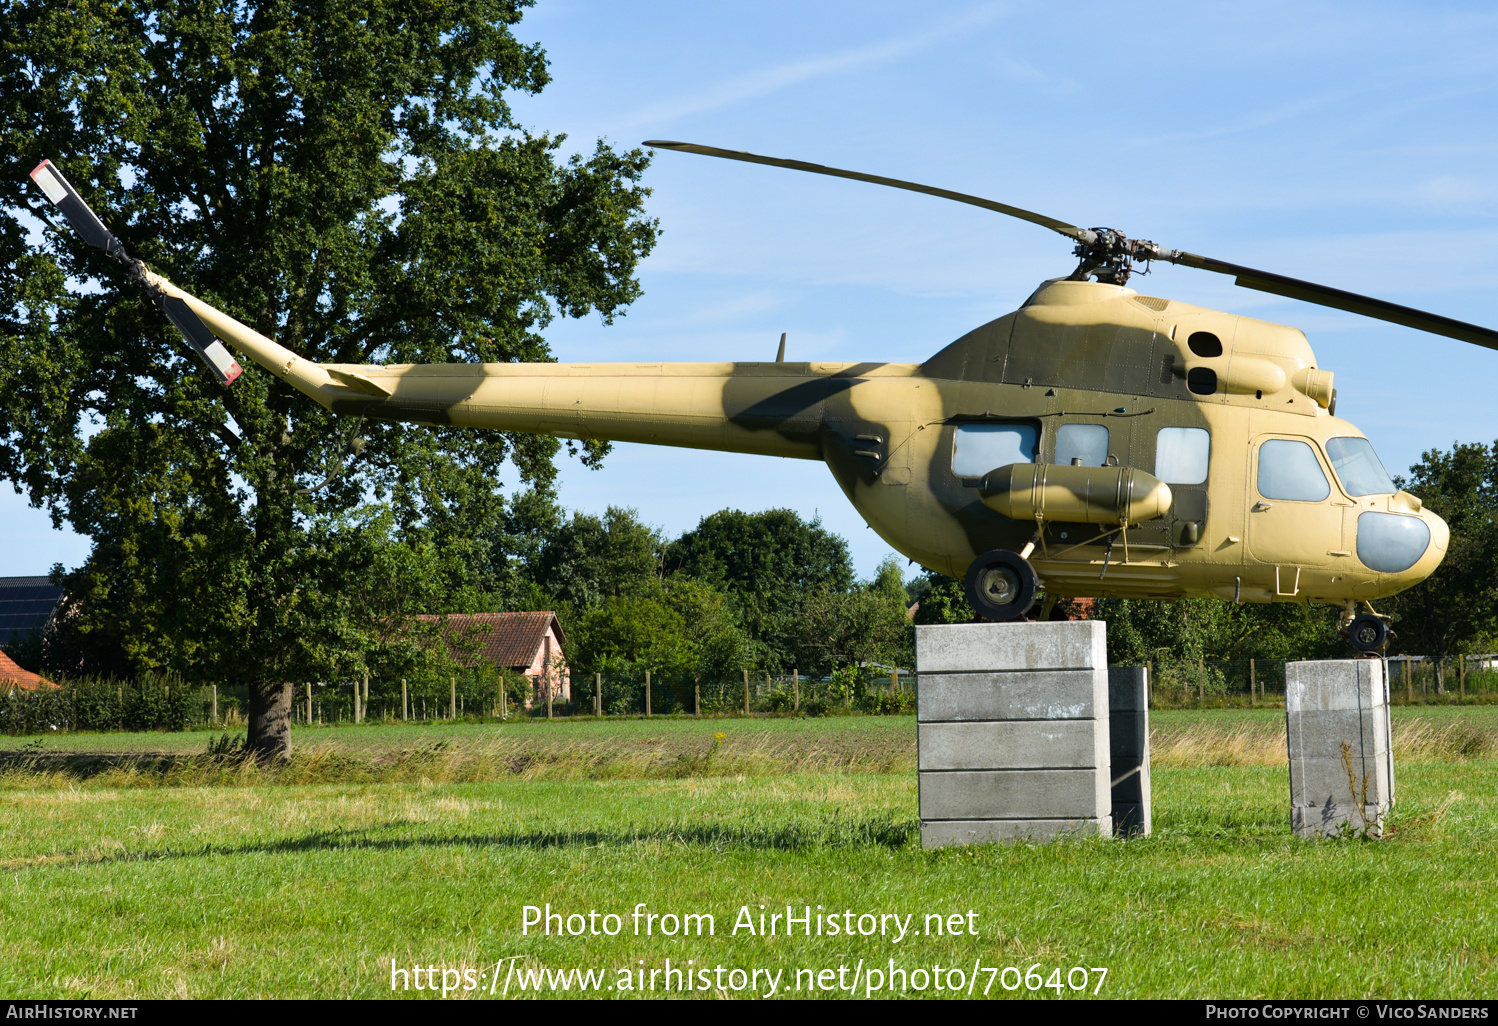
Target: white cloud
{"x": 765, "y": 81}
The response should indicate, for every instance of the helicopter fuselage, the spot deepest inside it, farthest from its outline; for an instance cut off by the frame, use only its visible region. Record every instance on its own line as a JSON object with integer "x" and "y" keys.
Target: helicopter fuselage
{"x": 1270, "y": 496}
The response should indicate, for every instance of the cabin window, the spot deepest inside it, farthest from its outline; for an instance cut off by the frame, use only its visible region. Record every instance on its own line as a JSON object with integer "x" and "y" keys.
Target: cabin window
{"x": 1358, "y": 467}
{"x": 979, "y": 448}
{"x": 1290, "y": 470}
{"x": 1087, "y": 442}
{"x": 1181, "y": 455}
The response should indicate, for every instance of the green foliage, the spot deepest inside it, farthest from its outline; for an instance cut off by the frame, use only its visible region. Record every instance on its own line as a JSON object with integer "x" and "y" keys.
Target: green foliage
{"x": 867, "y": 625}
{"x": 681, "y": 627}
{"x": 1455, "y": 609}
{"x": 154, "y": 702}
{"x": 347, "y": 178}
{"x": 771, "y": 563}
{"x": 589, "y": 560}
{"x": 763, "y": 554}
{"x": 939, "y": 599}
{"x": 1140, "y": 631}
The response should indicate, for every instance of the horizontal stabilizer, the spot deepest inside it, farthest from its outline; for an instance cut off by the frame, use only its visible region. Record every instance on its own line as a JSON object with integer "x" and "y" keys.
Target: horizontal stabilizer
{"x": 360, "y": 383}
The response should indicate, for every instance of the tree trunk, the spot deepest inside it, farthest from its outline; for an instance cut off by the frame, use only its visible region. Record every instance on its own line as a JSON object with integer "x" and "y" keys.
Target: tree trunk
{"x": 269, "y": 737}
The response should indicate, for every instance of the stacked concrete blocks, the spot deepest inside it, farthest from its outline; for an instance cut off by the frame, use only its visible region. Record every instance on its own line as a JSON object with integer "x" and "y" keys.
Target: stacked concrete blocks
{"x": 1129, "y": 734}
{"x": 1341, "y": 767}
{"x": 1013, "y": 739}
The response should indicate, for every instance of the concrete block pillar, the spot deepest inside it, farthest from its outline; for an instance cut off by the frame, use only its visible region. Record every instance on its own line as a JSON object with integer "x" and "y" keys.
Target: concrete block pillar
{"x": 1012, "y": 732}
{"x": 1129, "y": 745}
{"x": 1341, "y": 765}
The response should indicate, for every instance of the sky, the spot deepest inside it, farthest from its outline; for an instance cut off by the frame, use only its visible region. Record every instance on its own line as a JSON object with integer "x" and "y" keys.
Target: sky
{"x": 1348, "y": 144}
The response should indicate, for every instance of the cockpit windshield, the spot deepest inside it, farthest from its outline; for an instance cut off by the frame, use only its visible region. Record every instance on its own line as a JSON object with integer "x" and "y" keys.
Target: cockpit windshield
{"x": 1358, "y": 467}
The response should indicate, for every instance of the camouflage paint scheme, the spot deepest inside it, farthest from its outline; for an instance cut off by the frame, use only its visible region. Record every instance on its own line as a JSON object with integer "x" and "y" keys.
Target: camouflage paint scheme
{"x": 1077, "y": 352}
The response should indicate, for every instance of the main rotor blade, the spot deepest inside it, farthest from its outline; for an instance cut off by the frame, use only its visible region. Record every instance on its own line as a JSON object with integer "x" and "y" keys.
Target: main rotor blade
{"x": 1071, "y": 231}
{"x": 1324, "y": 295}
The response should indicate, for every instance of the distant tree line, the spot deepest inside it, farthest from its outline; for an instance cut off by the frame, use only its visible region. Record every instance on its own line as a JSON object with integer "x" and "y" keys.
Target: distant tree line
{"x": 768, "y": 592}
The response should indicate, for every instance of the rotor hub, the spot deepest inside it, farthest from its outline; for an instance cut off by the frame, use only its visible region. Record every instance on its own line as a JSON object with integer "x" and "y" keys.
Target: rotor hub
{"x": 1109, "y": 256}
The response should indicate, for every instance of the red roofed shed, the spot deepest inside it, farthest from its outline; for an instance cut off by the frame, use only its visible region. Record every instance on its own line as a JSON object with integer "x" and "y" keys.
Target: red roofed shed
{"x": 528, "y": 643}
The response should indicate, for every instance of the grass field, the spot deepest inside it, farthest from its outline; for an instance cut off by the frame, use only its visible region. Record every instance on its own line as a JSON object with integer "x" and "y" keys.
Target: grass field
{"x": 158, "y": 872}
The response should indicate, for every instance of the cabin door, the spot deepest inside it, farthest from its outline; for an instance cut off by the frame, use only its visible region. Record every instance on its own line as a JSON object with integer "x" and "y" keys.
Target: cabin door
{"x": 1294, "y": 518}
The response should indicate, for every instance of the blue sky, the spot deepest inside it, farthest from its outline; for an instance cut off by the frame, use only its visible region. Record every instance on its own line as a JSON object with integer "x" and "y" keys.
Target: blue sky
{"x": 1350, "y": 144}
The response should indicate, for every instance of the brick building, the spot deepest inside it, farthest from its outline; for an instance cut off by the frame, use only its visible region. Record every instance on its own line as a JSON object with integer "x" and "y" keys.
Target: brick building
{"x": 526, "y": 643}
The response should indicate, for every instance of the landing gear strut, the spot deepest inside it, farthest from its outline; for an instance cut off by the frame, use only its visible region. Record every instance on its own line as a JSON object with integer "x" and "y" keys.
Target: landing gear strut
{"x": 1367, "y": 633}
{"x": 1001, "y": 585}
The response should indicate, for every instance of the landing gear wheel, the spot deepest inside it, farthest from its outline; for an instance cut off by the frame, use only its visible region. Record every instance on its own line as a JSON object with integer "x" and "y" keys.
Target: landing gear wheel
{"x": 1001, "y": 585}
{"x": 1367, "y": 633}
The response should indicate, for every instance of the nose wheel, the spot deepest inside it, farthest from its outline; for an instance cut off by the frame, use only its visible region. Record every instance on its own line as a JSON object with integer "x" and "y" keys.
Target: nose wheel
{"x": 1367, "y": 633}
{"x": 1001, "y": 585}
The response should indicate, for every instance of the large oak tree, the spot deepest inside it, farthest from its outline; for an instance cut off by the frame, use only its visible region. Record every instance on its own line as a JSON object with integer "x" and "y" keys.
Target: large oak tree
{"x": 346, "y": 177}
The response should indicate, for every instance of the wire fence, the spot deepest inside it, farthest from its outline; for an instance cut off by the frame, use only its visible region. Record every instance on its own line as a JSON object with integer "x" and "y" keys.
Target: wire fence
{"x": 167, "y": 703}
{"x": 1187, "y": 683}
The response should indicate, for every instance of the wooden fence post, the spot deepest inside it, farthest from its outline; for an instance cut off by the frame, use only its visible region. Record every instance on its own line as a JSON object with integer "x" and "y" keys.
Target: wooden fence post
{"x": 452, "y": 698}
{"x": 504, "y": 711}
{"x": 546, "y": 682}
{"x": 597, "y": 694}
{"x": 696, "y": 696}
{"x": 214, "y": 714}
{"x": 309, "y": 705}
{"x": 796, "y": 688}
{"x": 647, "y": 692}
{"x": 405, "y": 702}
{"x": 1461, "y": 675}
{"x": 746, "y": 692}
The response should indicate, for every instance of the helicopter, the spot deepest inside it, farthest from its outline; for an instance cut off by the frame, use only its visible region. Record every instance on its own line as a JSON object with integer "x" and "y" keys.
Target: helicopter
{"x": 1095, "y": 442}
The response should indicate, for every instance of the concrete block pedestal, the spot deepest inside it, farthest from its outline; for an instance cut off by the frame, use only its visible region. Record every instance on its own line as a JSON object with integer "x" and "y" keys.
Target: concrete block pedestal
{"x": 1013, "y": 737}
{"x": 1341, "y": 767}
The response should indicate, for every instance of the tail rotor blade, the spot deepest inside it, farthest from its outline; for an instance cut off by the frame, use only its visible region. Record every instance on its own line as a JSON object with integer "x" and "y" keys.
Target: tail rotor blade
{"x": 203, "y": 341}
{"x": 84, "y": 221}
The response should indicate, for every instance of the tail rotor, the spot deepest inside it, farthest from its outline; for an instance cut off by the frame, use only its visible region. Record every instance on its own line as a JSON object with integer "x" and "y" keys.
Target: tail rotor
{"x": 87, "y": 224}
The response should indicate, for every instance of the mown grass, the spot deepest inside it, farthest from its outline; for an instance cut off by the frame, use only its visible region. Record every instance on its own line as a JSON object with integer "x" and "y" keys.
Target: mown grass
{"x": 271, "y": 887}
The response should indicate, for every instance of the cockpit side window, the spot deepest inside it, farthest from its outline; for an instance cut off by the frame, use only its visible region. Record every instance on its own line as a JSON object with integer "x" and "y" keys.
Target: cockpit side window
{"x": 979, "y": 448}
{"x": 1289, "y": 469}
{"x": 1358, "y": 467}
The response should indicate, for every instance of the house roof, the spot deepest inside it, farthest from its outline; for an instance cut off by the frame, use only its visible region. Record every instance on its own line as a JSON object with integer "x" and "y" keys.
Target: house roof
{"x": 12, "y": 675}
{"x": 25, "y": 603}
{"x": 503, "y": 639}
